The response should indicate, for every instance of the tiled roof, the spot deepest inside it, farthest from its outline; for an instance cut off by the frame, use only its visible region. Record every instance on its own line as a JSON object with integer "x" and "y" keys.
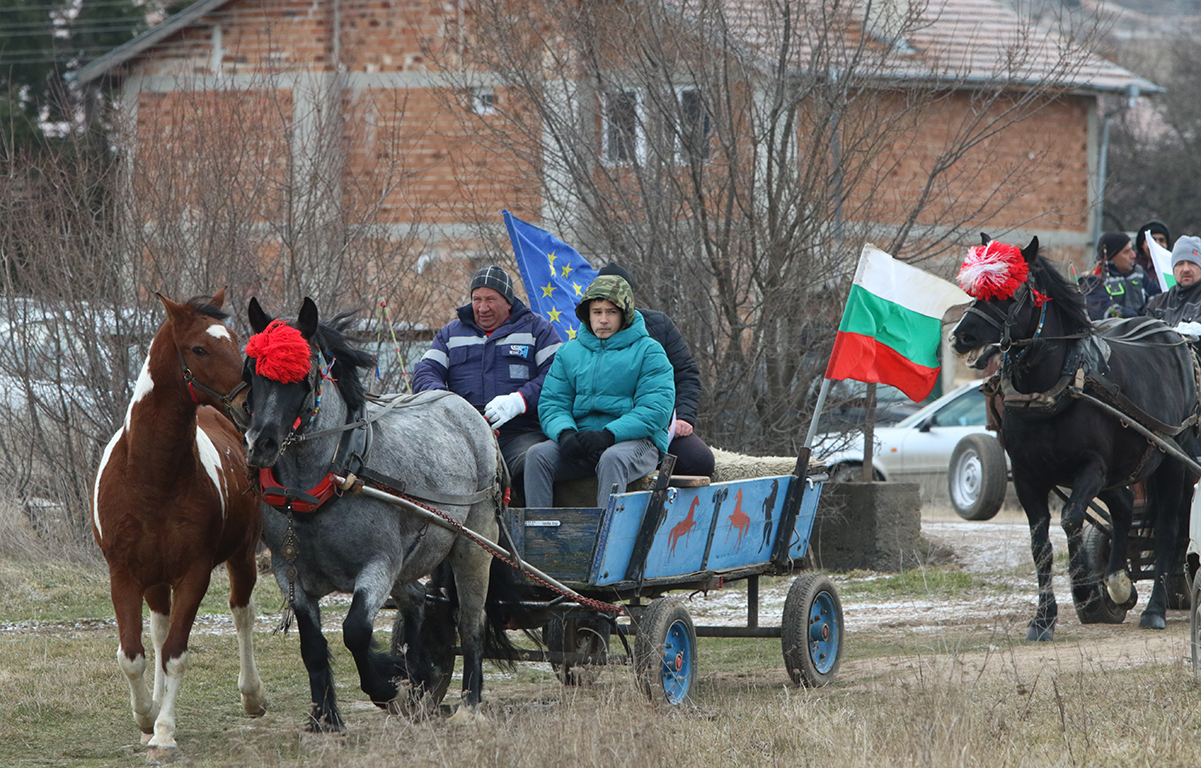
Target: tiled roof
{"x": 965, "y": 41}
{"x": 957, "y": 41}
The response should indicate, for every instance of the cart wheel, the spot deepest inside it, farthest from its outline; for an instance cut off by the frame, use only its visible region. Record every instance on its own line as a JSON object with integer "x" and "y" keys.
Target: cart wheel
{"x": 1194, "y": 622}
{"x": 1092, "y": 600}
{"x": 437, "y": 635}
{"x": 665, "y": 651}
{"x": 589, "y": 635}
{"x": 812, "y": 630}
{"x": 977, "y": 477}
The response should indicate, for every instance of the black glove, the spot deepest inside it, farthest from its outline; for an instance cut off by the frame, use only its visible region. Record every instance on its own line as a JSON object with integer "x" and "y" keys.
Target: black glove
{"x": 569, "y": 445}
{"x": 595, "y": 441}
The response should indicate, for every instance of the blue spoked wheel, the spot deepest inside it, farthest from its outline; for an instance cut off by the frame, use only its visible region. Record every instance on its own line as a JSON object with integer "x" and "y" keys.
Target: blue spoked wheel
{"x": 812, "y": 630}
{"x": 665, "y": 651}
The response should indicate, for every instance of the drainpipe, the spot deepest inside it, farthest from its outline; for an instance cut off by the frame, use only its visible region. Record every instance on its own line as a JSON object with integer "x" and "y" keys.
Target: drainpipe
{"x": 1132, "y": 94}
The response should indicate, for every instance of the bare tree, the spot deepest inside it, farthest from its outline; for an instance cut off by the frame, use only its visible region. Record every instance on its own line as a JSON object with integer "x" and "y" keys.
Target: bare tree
{"x": 736, "y": 156}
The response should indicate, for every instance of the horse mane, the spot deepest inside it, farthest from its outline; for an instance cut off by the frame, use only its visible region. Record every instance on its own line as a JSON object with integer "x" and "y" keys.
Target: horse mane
{"x": 202, "y": 305}
{"x": 336, "y": 344}
{"x": 1065, "y": 294}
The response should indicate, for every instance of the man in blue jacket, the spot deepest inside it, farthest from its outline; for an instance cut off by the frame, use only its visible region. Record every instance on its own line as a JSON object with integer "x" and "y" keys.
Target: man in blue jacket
{"x": 607, "y": 401}
{"x": 495, "y": 355}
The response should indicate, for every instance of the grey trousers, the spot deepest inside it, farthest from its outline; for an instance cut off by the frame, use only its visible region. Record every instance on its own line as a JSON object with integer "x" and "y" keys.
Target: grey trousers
{"x": 621, "y": 463}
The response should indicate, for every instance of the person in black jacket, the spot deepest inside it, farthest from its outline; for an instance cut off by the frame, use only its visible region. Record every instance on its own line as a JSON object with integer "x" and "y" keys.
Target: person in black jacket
{"x": 693, "y": 456}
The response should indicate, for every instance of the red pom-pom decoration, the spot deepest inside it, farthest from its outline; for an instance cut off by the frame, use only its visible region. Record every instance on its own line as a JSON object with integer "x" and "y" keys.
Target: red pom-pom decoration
{"x": 993, "y": 271}
{"x": 281, "y": 353}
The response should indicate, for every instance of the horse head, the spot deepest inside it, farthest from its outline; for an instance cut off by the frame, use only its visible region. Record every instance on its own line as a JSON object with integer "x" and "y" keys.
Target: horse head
{"x": 283, "y": 370}
{"x": 286, "y": 365}
{"x": 207, "y": 351}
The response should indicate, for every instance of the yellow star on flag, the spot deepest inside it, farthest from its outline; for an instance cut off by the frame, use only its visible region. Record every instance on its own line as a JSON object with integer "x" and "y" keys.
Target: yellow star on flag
{"x": 554, "y": 315}
{"x": 578, "y": 290}
{"x": 570, "y": 333}
{"x": 551, "y": 258}
{"x": 548, "y": 289}
{"x": 566, "y": 270}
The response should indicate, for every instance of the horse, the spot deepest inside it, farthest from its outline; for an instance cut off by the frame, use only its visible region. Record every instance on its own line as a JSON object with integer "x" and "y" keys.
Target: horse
{"x": 172, "y": 500}
{"x": 1053, "y": 357}
{"x": 309, "y": 423}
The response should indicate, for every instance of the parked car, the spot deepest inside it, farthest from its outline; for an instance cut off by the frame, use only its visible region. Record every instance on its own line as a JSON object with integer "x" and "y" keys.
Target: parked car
{"x": 845, "y": 405}
{"x": 944, "y": 442}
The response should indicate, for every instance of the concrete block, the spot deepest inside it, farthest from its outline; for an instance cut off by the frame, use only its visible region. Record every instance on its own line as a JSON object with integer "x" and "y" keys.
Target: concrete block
{"x": 870, "y": 526}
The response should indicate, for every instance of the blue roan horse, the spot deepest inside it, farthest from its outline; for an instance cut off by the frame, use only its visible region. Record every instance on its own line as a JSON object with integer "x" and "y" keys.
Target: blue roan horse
{"x": 1049, "y": 348}
{"x": 305, "y": 393}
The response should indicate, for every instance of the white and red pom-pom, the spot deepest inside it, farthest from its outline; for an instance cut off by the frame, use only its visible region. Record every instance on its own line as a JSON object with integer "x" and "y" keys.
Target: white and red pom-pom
{"x": 993, "y": 271}
{"x": 281, "y": 353}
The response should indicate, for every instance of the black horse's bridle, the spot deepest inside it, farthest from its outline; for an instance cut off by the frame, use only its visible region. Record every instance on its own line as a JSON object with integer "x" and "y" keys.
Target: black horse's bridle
{"x": 227, "y": 401}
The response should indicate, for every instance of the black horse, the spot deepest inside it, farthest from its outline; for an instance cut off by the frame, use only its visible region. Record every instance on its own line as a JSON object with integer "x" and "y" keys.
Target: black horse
{"x": 1051, "y": 352}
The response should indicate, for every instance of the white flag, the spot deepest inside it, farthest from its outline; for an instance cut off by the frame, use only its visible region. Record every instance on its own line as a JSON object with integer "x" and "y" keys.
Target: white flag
{"x": 1162, "y": 259}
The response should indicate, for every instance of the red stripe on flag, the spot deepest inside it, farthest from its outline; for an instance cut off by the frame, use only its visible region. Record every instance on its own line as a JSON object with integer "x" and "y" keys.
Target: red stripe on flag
{"x": 862, "y": 358}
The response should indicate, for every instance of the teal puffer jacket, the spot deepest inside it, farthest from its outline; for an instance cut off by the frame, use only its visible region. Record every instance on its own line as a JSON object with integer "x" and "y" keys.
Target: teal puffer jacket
{"x": 624, "y": 384}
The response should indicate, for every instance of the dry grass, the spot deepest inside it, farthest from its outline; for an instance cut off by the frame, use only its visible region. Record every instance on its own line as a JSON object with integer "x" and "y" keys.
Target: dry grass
{"x": 948, "y": 698}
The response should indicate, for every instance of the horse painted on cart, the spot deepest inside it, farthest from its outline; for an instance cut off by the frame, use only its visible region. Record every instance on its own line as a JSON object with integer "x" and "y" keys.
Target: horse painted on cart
{"x": 310, "y": 418}
{"x": 172, "y": 501}
{"x": 1051, "y": 352}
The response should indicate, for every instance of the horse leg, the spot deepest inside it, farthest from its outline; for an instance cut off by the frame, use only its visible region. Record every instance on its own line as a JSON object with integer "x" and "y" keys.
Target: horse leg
{"x": 314, "y": 651}
{"x": 158, "y": 598}
{"x": 408, "y": 642}
{"x": 471, "y": 566}
{"x": 1171, "y": 503}
{"x": 378, "y": 672}
{"x": 1038, "y": 516}
{"x": 174, "y": 659}
{"x": 1120, "y": 503}
{"x": 131, "y": 655}
{"x": 243, "y": 574}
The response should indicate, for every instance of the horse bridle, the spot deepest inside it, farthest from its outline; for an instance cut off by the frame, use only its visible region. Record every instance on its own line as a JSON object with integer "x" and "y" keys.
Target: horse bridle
{"x": 1003, "y": 320}
{"x": 227, "y": 401}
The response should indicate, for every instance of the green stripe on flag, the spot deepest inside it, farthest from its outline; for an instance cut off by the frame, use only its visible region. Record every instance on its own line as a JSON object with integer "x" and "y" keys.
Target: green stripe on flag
{"x": 912, "y": 334}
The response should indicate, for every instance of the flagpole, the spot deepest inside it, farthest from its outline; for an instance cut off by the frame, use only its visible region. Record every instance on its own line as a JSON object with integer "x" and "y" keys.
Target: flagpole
{"x": 817, "y": 412}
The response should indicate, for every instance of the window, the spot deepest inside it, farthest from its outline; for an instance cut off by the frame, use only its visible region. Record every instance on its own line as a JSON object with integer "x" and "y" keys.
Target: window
{"x": 695, "y": 126}
{"x": 622, "y": 137}
{"x": 966, "y": 411}
{"x": 484, "y": 101}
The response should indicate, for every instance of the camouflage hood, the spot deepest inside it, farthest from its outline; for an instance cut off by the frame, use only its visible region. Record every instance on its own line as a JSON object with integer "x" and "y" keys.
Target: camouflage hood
{"x": 614, "y": 289}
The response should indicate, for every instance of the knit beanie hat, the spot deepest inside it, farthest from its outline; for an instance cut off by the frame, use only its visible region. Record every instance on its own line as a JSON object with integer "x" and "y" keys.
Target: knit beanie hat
{"x": 1187, "y": 249}
{"x": 613, "y": 268}
{"x": 495, "y": 278}
{"x": 1111, "y": 244}
{"x": 1149, "y": 229}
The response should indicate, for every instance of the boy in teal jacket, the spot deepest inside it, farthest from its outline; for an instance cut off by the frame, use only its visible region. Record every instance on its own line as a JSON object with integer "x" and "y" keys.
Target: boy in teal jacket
{"x": 607, "y": 400}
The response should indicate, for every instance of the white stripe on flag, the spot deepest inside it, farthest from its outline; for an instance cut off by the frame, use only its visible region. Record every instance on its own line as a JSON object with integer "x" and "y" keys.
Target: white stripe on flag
{"x": 1162, "y": 259}
{"x": 910, "y": 287}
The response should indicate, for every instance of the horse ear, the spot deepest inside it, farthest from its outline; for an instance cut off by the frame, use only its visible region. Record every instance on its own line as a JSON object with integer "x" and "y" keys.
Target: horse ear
{"x": 1030, "y": 252}
{"x": 259, "y": 320}
{"x": 173, "y": 310}
{"x": 218, "y": 299}
{"x": 985, "y": 239}
{"x": 306, "y": 323}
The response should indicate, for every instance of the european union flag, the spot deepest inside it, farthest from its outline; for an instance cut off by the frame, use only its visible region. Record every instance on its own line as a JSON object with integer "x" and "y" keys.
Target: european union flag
{"x": 554, "y": 273}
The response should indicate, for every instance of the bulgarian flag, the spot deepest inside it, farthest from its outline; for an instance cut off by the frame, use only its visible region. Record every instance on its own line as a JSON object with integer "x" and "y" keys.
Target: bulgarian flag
{"x": 1162, "y": 259}
{"x": 892, "y": 325}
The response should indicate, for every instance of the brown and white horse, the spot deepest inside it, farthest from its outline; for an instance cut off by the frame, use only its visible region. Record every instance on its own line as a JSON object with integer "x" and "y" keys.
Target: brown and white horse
{"x": 172, "y": 501}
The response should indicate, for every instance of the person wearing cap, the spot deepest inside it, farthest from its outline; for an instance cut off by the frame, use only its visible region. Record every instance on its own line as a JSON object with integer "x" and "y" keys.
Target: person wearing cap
{"x": 1157, "y": 231}
{"x": 1182, "y": 302}
{"x": 607, "y": 401}
{"x": 693, "y": 456}
{"x": 495, "y": 355}
{"x": 1120, "y": 287}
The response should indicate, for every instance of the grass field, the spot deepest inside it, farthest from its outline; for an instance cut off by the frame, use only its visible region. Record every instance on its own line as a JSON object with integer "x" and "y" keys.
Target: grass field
{"x": 949, "y": 695}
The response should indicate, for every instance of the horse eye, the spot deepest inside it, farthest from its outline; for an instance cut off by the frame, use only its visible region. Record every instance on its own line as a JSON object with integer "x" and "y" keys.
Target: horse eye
{"x": 199, "y": 351}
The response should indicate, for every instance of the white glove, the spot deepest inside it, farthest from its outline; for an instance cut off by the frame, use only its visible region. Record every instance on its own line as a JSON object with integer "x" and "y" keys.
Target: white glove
{"x": 504, "y": 407}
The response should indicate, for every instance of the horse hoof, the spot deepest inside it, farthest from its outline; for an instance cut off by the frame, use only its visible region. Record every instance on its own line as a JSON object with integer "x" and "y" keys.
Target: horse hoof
{"x": 162, "y": 755}
{"x": 146, "y": 737}
{"x": 255, "y": 704}
{"x": 1040, "y": 632}
{"x": 1152, "y": 621}
{"x": 1119, "y": 587}
{"x": 467, "y": 715}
